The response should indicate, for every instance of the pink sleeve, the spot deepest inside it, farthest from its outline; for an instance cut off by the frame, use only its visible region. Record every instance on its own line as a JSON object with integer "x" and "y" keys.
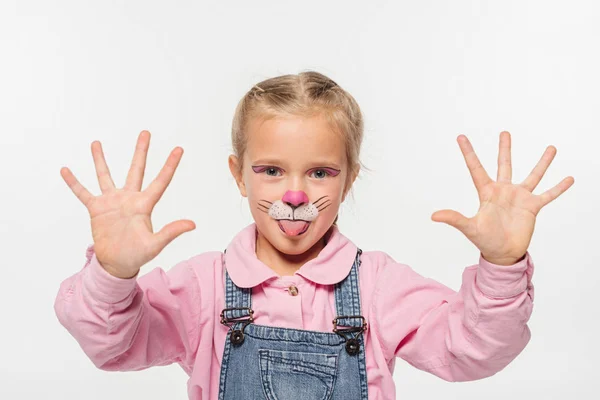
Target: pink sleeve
{"x": 457, "y": 336}
{"x": 132, "y": 324}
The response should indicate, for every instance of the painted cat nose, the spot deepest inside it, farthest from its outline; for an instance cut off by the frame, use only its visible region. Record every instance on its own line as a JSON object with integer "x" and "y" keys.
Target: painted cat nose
{"x": 295, "y": 198}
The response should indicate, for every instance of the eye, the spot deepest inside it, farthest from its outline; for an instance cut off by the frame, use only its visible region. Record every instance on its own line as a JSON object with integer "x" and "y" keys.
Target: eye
{"x": 269, "y": 170}
{"x": 322, "y": 173}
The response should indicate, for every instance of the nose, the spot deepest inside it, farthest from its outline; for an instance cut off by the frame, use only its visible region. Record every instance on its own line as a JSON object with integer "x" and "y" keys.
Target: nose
{"x": 295, "y": 198}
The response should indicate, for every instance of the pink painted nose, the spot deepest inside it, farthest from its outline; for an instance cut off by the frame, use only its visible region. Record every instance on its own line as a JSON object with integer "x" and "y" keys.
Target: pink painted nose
{"x": 295, "y": 198}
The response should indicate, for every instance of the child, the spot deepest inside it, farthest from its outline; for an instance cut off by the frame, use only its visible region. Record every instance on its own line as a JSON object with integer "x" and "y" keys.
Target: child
{"x": 292, "y": 306}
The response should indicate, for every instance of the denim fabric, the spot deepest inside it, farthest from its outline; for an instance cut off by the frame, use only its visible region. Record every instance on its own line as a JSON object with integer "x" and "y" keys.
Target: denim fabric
{"x": 281, "y": 363}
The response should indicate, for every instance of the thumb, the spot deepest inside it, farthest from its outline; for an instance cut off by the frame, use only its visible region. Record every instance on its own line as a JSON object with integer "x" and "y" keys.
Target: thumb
{"x": 452, "y": 218}
{"x": 172, "y": 230}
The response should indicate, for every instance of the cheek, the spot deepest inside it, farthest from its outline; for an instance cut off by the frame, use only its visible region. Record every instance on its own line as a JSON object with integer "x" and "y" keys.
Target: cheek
{"x": 257, "y": 189}
{"x": 337, "y": 191}
{"x": 334, "y": 198}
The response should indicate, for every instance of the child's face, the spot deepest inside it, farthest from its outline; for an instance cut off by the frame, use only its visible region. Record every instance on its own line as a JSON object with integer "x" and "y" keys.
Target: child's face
{"x": 294, "y": 173}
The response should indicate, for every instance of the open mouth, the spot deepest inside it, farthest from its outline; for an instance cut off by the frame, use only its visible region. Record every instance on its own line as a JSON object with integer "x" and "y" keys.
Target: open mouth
{"x": 293, "y": 227}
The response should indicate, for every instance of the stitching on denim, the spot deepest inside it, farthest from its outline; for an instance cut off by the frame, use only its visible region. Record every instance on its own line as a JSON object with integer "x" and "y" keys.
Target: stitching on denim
{"x": 308, "y": 364}
{"x": 296, "y": 341}
{"x": 298, "y": 332}
{"x": 328, "y": 385}
{"x": 224, "y": 365}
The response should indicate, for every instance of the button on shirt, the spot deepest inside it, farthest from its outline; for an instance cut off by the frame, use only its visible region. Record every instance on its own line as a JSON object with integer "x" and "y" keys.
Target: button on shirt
{"x": 166, "y": 317}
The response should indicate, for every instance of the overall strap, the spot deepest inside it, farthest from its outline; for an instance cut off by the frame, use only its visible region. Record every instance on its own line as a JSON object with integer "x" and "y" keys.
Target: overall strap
{"x": 238, "y": 310}
{"x": 236, "y": 298}
{"x": 349, "y": 322}
{"x": 238, "y": 301}
{"x": 347, "y": 296}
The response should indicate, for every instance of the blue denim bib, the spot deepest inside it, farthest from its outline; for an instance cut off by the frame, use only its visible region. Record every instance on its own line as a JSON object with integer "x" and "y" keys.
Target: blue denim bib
{"x": 263, "y": 362}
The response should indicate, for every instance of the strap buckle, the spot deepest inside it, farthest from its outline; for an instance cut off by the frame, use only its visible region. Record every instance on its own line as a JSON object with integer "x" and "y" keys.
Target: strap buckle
{"x": 232, "y": 321}
{"x": 350, "y": 329}
{"x": 352, "y": 343}
{"x": 237, "y": 336}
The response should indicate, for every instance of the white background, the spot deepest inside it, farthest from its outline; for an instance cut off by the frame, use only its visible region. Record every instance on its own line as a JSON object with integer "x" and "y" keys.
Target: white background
{"x": 423, "y": 72}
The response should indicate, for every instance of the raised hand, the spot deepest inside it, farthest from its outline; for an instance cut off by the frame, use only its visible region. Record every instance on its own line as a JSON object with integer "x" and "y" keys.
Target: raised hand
{"x": 121, "y": 225}
{"x": 503, "y": 226}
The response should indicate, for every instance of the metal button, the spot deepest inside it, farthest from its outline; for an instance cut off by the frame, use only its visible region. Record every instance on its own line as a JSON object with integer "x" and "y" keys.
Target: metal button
{"x": 237, "y": 337}
{"x": 293, "y": 290}
{"x": 352, "y": 346}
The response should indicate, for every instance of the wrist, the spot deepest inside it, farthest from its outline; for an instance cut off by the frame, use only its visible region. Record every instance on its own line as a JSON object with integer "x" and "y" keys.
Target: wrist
{"x": 503, "y": 261}
{"x": 117, "y": 272}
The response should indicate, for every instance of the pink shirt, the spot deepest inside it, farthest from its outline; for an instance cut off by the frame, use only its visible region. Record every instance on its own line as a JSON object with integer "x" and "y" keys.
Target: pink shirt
{"x": 166, "y": 317}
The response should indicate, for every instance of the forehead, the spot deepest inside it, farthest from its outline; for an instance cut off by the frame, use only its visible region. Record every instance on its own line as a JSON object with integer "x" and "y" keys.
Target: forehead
{"x": 294, "y": 139}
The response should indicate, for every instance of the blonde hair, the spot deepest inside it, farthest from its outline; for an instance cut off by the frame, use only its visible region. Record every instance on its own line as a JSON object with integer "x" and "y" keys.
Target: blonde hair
{"x": 306, "y": 94}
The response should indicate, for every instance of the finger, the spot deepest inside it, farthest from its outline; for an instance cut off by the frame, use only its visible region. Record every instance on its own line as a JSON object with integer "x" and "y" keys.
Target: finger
{"x": 534, "y": 178}
{"x": 170, "y": 231}
{"x": 104, "y": 178}
{"x": 549, "y": 195}
{"x": 453, "y": 218}
{"x": 160, "y": 183}
{"x": 77, "y": 188}
{"x": 504, "y": 158}
{"x": 478, "y": 173}
{"x": 135, "y": 177}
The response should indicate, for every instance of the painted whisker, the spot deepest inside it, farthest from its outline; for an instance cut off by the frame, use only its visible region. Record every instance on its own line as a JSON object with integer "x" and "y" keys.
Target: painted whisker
{"x": 321, "y": 209}
{"x": 319, "y": 199}
{"x": 327, "y": 203}
{"x": 324, "y": 201}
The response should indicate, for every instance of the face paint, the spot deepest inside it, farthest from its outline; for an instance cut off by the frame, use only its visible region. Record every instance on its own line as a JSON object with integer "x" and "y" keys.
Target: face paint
{"x": 294, "y": 213}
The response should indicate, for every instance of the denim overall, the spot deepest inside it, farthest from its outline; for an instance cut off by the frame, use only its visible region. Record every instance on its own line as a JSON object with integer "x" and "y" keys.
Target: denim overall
{"x": 262, "y": 362}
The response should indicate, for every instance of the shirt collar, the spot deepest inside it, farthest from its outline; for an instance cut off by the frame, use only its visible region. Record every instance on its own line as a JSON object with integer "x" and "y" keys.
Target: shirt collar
{"x": 331, "y": 266}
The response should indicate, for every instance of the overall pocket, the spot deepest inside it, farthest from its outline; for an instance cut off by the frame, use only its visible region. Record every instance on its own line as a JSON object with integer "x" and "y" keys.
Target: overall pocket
{"x": 289, "y": 374}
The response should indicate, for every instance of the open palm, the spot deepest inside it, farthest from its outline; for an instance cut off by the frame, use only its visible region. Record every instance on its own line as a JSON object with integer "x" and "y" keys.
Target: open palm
{"x": 504, "y": 224}
{"x": 124, "y": 239}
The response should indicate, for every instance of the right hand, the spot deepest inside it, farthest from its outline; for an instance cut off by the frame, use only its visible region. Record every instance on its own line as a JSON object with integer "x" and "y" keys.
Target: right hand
{"x": 121, "y": 226}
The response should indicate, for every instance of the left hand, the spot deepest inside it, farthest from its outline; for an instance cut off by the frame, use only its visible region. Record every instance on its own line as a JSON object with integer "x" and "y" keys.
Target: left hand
{"x": 503, "y": 226}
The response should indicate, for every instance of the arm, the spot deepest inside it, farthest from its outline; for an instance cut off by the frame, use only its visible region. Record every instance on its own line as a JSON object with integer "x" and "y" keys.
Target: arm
{"x": 476, "y": 332}
{"x": 457, "y": 336}
{"x": 136, "y": 323}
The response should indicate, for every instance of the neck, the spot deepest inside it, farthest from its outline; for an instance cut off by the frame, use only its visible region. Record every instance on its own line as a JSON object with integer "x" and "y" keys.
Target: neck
{"x": 285, "y": 264}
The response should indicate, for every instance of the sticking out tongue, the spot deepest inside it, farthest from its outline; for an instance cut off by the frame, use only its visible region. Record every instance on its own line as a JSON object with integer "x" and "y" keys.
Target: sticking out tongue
{"x": 293, "y": 228}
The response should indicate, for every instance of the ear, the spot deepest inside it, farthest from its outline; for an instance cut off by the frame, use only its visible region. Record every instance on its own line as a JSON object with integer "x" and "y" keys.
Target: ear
{"x": 236, "y": 172}
{"x": 354, "y": 175}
